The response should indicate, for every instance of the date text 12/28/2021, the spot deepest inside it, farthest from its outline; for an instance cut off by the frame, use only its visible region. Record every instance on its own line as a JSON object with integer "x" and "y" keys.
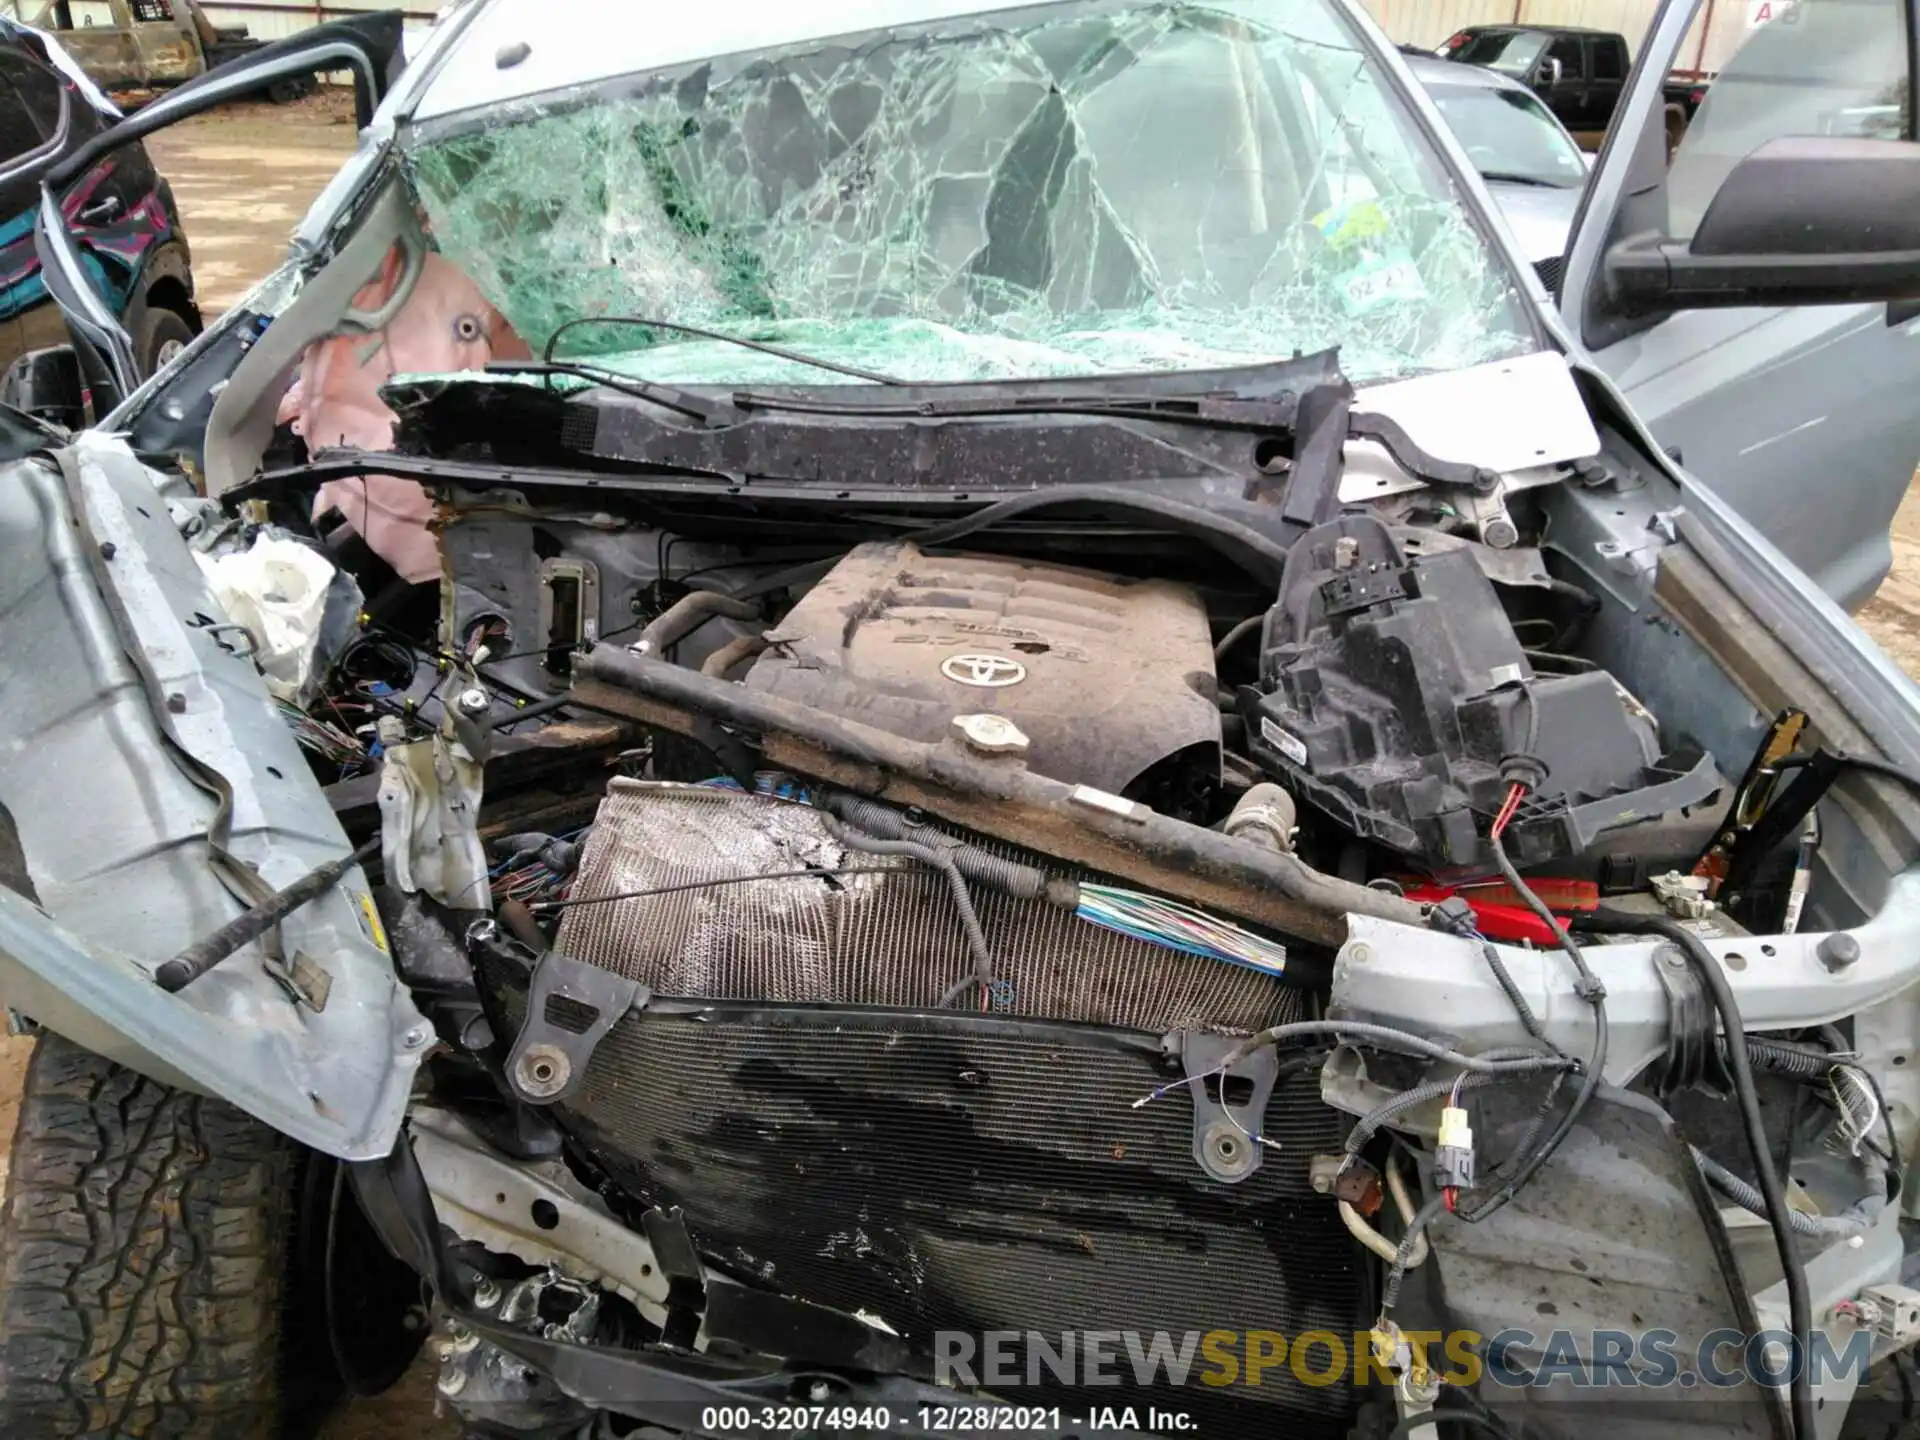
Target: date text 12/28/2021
{"x": 956, "y": 1420}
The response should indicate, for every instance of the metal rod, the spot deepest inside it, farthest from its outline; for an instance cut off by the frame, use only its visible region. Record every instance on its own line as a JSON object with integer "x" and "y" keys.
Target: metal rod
{"x": 201, "y": 956}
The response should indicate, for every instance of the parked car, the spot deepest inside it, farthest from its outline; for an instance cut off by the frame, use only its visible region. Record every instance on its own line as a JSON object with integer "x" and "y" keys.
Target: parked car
{"x": 1531, "y": 165}
{"x": 1580, "y": 73}
{"x": 1006, "y": 683}
{"x": 123, "y": 217}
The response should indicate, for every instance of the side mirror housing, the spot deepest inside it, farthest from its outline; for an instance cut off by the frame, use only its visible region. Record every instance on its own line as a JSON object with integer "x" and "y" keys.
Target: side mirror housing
{"x": 46, "y": 384}
{"x": 1548, "y": 72}
{"x": 1804, "y": 220}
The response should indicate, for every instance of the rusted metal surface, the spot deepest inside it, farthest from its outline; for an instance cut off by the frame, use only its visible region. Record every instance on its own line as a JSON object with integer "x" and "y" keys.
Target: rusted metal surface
{"x": 130, "y": 53}
{"x": 998, "y": 797}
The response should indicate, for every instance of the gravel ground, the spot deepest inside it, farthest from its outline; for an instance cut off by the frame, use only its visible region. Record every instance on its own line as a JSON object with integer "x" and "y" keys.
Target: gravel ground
{"x": 243, "y": 178}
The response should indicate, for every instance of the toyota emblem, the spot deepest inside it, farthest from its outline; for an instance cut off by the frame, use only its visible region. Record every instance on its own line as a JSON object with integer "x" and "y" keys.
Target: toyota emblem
{"x": 987, "y": 672}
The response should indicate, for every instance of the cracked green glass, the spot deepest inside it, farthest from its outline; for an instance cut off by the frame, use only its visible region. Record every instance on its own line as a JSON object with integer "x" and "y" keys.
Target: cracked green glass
{"x": 1059, "y": 190}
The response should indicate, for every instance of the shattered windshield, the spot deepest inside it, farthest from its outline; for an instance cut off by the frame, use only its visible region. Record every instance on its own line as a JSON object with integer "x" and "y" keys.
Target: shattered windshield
{"x": 1063, "y": 189}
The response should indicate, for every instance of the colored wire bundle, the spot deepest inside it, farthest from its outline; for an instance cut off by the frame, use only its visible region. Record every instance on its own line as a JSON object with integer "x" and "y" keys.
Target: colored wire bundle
{"x": 323, "y": 739}
{"x": 1177, "y": 927}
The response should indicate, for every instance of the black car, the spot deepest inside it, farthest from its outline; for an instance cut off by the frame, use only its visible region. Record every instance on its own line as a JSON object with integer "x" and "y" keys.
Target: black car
{"x": 122, "y": 213}
{"x": 1579, "y": 73}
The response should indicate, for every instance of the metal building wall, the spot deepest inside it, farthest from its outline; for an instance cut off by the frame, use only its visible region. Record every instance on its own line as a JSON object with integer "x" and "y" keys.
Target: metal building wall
{"x": 276, "y": 19}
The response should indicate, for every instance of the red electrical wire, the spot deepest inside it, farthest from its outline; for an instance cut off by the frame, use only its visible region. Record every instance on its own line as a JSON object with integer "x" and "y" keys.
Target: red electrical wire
{"x": 1515, "y": 793}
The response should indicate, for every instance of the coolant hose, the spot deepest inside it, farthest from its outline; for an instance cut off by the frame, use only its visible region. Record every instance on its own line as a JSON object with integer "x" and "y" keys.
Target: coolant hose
{"x": 688, "y": 614}
{"x": 742, "y": 647}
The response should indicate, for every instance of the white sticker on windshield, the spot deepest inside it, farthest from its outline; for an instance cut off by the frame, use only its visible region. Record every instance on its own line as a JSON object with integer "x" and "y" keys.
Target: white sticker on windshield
{"x": 1287, "y": 743}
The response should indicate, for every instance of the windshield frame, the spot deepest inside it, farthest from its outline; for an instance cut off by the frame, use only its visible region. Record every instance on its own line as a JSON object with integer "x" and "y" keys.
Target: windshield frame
{"x": 1429, "y": 139}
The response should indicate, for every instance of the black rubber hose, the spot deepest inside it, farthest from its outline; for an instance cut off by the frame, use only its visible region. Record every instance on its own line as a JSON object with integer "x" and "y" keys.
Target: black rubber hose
{"x": 1234, "y": 636}
{"x": 735, "y": 651}
{"x": 941, "y": 860}
{"x": 533, "y": 711}
{"x": 1739, "y": 1064}
{"x": 198, "y": 958}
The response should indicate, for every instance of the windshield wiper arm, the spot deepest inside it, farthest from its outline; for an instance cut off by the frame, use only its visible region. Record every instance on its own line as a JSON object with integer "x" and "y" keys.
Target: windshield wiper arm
{"x": 781, "y": 352}
{"x": 668, "y": 397}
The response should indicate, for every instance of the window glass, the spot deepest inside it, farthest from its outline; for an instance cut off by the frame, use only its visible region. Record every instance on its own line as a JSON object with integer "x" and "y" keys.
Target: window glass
{"x": 29, "y": 106}
{"x": 1511, "y": 52}
{"x": 1073, "y": 188}
{"x": 1821, "y": 67}
{"x": 1510, "y": 137}
{"x": 1567, "y": 51}
{"x": 1609, "y": 60}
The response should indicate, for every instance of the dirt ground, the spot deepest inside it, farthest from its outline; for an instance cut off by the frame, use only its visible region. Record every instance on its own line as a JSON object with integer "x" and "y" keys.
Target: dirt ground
{"x": 243, "y": 178}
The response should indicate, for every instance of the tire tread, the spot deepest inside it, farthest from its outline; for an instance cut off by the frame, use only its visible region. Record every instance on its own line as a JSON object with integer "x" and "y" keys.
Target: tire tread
{"x": 142, "y": 1255}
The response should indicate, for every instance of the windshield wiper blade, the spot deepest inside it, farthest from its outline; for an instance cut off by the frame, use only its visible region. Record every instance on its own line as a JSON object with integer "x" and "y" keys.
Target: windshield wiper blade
{"x": 1514, "y": 177}
{"x": 1214, "y": 412}
{"x": 781, "y": 352}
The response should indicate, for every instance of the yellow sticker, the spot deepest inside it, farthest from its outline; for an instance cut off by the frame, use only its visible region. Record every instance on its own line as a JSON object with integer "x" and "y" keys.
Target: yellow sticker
{"x": 370, "y": 921}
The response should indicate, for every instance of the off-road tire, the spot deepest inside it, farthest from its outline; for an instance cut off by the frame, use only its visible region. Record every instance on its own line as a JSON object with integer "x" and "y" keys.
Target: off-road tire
{"x": 142, "y": 1259}
{"x": 160, "y": 335}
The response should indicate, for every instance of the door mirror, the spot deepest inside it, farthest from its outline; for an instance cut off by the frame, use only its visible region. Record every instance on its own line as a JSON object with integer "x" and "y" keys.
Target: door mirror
{"x": 1804, "y": 220}
{"x": 1548, "y": 72}
{"x": 367, "y": 45}
{"x": 46, "y": 384}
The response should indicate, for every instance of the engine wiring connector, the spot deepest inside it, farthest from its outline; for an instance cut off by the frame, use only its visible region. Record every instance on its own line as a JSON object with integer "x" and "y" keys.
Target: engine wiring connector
{"x": 1453, "y": 1153}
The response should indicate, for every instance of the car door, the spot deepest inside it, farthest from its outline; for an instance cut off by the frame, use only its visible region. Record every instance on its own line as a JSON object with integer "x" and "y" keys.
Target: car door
{"x": 29, "y": 122}
{"x": 1565, "y": 88}
{"x": 1606, "y": 78}
{"x": 1804, "y": 419}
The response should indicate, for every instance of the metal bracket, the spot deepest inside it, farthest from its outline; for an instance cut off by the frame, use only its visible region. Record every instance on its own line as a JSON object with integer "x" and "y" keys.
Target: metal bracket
{"x": 1693, "y": 1028}
{"x": 1228, "y": 1108}
{"x": 679, "y": 1261}
{"x": 570, "y": 1006}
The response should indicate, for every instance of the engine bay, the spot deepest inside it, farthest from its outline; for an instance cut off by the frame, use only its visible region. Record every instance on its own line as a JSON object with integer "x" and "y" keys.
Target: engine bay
{"x": 943, "y": 905}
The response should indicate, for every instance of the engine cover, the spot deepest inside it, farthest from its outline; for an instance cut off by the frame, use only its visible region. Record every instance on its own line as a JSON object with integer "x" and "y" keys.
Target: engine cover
{"x": 1111, "y": 680}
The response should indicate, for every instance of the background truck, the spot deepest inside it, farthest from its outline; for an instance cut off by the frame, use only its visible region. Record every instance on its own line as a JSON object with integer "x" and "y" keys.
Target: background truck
{"x": 141, "y": 46}
{"x": 1579, "y": 73}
